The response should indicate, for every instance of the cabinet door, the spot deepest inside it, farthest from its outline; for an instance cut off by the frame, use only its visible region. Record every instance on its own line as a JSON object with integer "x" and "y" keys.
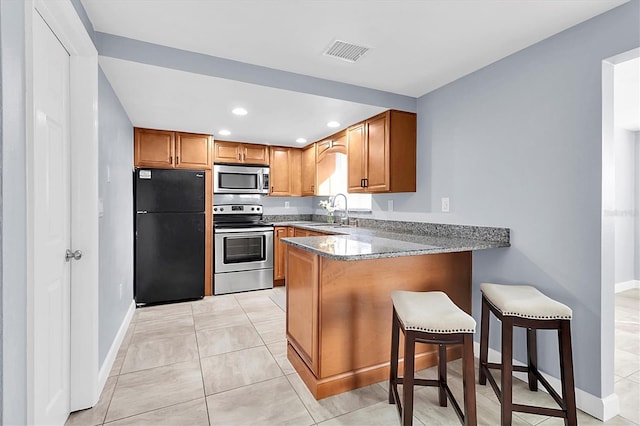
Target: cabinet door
{"x": 280, "y": 171}
{"x": 302, "y": 304}
{"x": 298, "y": 232}
{"x": 226, "y": 152}
{"x": 279, "y": 252}
{"x": 154, "y": 148}
{"x": 355, "y": 158}
{"x": 255, "y": 154}
{"x": 309, "y": 170}
{"x": 193, "y": 151}
{"x": 377, "y": 154}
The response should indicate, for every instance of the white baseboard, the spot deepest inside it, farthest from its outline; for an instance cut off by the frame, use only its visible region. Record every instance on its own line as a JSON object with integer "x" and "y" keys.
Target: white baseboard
{"x": 600, "y": 408}
{"x": 103, "y": 374}
{"x": 627, "y": 285}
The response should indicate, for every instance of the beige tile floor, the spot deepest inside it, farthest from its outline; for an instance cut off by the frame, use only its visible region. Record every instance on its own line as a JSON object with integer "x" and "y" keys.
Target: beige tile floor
{"x": 222, "y": 361}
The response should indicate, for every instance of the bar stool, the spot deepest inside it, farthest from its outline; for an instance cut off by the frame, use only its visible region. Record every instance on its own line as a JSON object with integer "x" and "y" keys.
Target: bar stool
{"x": 525, "y": 306}
{"x": 431, "y": 317}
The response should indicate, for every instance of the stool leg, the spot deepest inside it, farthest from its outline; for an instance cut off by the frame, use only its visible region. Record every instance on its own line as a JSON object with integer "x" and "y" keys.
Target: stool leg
{"x": 532, "y": 357}
{"x": 468, "y": 381}
{"x": 393, "y": 368}
{"x": 407, "y": 381}
{"x": 506, "y": 402}
{"x": 442, "y": 374}
{"x": 566, "y": 372}
{"x": 484, "y": 342}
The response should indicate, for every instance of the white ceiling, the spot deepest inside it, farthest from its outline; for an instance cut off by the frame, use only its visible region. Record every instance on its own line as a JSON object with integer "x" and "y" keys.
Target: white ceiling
{"x": 163, "y": 98}
{"x": 627, "y": 95}
{"x": 416, "y": 47}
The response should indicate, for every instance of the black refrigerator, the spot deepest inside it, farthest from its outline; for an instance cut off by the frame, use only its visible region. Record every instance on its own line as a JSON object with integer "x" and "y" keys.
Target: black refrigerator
{"x": 169, "y": 237}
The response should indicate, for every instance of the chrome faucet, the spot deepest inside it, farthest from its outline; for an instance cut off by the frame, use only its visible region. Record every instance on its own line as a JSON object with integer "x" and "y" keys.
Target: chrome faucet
{"x": 345, "y": 218}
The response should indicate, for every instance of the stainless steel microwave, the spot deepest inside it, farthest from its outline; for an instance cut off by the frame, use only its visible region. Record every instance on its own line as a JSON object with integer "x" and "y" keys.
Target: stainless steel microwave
{"x": 231, "y": 179}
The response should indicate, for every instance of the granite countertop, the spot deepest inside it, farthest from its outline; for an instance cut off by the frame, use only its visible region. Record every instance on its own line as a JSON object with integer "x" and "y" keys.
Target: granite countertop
{"x": 351, "y": 243}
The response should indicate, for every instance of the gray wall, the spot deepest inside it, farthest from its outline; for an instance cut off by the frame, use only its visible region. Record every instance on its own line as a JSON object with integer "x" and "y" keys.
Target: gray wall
{"x": 116, "y": 223}
{"x": 14, "y": 296}
{"x": 624, "y": 214}
{"x": 637, "y": 210}
{"x": 519, "y": 144}
{"x": 1, "y": 221}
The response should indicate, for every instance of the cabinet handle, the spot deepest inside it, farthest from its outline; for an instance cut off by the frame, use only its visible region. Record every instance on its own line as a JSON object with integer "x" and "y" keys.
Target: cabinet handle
{"x": 171, "y": 159}
{"x": 361, "y": 183}
{"x": 177, "y": 159}
{"x": 272, "y": 189}
{"x": 244, "y": 156}
{"x": 240, "y": 156}
{"x": 366, "y": 182}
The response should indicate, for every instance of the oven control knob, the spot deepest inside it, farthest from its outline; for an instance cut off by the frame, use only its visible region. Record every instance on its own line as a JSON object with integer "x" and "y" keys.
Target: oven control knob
{"x": 253, "y": 208}
{"x": 221, "y": 209}
{"x": 215, "y": 209}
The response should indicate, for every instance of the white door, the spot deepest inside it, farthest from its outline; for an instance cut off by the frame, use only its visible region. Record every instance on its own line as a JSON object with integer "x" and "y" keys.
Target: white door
{"x": 51, "y": 217}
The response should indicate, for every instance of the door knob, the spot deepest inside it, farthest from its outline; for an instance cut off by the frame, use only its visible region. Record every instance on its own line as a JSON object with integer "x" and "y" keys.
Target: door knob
{"x": 77, "y": 255}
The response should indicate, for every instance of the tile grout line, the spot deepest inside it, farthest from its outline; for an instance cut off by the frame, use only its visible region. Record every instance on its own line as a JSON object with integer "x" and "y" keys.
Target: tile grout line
{"x": 133, "y": 326}
{"x": 204, "y": 387}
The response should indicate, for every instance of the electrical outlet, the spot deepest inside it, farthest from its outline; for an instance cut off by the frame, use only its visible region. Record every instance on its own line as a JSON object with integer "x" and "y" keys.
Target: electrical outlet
{"x": 286, "y": 204}
{"x": 390, "y": 205}
{"x": 445, "y": 205}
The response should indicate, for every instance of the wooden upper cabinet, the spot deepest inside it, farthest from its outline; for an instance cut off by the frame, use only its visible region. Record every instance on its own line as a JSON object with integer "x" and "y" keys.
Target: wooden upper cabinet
{"x": 280, "y": 171}
{"x": 256, "y": 154}
{"x": 382, "y": 153}
{"x": 356, "y": 166}
{"x": 377, "y": 154}
{"x": 226, "y": 152}
{"x": 240, "y": 153}
{"x": 192, "y": 151}
{"x": 153, "y": 148}
{"x": 285, "y": 169}
{"x": 309, "y": 170}
{"x": 335, "y": 143}
{"x": 167, "y": 149}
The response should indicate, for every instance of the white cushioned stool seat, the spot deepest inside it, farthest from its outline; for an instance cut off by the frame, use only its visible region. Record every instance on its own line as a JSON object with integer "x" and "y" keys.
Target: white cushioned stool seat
{"x": 524, "y": 301}
{"x": 431, "y": 312}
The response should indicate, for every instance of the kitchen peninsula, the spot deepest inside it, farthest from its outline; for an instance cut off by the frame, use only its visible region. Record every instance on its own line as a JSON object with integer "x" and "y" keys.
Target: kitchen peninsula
{"x": 338, "y": 295}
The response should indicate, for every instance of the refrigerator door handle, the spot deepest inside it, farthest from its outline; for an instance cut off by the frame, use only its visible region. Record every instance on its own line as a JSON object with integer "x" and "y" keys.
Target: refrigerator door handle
{"x": 142, "y": 212}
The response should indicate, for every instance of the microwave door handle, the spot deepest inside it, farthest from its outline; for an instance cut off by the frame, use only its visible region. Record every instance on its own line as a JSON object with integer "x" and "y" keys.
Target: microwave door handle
{"x": 260, "y": 181}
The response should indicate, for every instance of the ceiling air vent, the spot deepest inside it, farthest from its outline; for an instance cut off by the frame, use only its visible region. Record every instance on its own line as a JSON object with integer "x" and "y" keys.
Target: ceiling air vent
{"x": 346, "y": 51}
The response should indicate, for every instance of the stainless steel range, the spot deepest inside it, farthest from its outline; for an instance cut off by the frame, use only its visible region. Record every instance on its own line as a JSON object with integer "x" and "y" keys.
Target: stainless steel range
{"x": 243, "y": 249}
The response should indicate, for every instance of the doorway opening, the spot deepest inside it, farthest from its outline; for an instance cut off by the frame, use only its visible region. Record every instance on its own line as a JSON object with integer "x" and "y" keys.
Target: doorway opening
{"x": 620, "y": 233}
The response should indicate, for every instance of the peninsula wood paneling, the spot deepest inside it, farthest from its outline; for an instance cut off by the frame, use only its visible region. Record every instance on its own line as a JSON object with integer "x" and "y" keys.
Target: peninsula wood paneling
{"x": 352, "y": 313}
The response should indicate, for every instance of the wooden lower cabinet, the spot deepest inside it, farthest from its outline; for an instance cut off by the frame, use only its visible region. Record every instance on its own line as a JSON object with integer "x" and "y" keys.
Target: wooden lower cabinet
{"x": 339, "y": 313}
{"x": 280, "y": 250}
{"x": 302, "y": 301}
{"x": 279, "y": 256}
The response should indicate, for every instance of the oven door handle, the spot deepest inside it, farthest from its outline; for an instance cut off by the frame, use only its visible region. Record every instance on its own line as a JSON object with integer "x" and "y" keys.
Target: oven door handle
{"x": 244, "y": 233}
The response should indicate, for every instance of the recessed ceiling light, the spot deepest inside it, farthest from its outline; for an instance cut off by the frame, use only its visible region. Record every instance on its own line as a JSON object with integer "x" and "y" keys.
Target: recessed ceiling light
{"x": 301, "y": 140}
{"x": 224, "y": 132}
{"x": 239, "y": 111}
{"x": 333, "y": 124}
